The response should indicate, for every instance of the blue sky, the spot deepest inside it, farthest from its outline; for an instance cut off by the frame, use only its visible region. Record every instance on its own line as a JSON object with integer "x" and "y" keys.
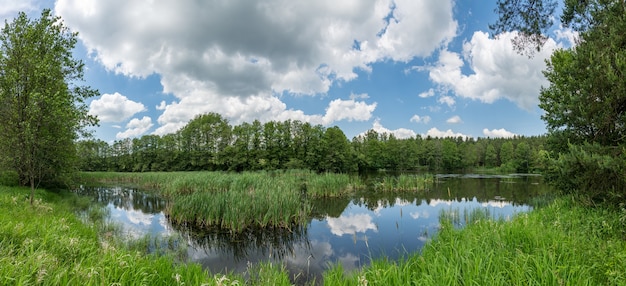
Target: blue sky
{"x": 406, "y": 67}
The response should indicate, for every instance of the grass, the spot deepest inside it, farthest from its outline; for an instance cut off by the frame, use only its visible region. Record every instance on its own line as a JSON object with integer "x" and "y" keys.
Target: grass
{"x": 405, "y": 183}
{"x": 562, "y": 243}
{"x": 237, "y": 201}
{"x": 61, "y": 240}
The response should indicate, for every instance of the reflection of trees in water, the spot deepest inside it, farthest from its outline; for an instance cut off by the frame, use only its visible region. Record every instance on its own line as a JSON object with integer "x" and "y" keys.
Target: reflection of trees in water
{"x": 328, "y": 207}
{"x": 515, "y": 189}
{"x": 269, "y": 242}
{"x": 518, "y": 190}
{"x": 124, "y": 198}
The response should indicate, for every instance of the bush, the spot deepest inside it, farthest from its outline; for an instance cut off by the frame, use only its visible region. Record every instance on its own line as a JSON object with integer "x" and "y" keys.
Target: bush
{"x": 9, "y": 178}
{"x": 593, "y": 171}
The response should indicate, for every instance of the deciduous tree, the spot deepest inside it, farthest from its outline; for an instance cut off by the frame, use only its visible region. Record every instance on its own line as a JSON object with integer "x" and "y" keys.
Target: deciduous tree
{"x": 42, "y": 108}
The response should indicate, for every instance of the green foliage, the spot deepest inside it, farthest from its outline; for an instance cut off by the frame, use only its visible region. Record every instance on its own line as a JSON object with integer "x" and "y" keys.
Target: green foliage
{"x": 591, "y": 170}
{"x": 42, "y": 110}
{"x": 530, "y": 18}
{"x": 209, "y": 143}
{"x": 238, "y": 201}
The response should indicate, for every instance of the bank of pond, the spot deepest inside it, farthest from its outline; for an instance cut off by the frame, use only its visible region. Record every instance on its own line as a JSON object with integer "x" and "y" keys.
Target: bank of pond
{"x": 298, "y": 227}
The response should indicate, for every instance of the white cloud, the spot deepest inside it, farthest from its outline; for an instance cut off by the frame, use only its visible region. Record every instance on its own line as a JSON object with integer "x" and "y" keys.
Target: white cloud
{"x": 498, "y": 133}
{"x": 426, "y": 94}
{"x": 207, "y": 57}
{"x": 498, "y": 71}
{"x": 264, "y": 108}
{"x": 454, "y": 120}
{"x": 420, "y": 119}
{"x": 348, "y": 110}
{"x": 161, "y": 105}
{"x": 359, "y": 96}
{"x": 114, "y": 107}
{"x": 400, "y": 133}
{"x": 446, "y": 99}
{"x": 566, "y": 36}
{"x": 135, "y": 128}
{"x": 436, "y": 133}
{"x": 9, "y": 8}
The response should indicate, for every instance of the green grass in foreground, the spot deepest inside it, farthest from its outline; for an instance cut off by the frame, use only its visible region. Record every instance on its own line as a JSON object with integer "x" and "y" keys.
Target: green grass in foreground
{"x": 560, "y": 244}
{"x": 49, "y": 244}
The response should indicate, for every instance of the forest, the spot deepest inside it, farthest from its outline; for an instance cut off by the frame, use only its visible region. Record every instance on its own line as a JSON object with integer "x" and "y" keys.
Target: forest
{"x": 209, "y": 142}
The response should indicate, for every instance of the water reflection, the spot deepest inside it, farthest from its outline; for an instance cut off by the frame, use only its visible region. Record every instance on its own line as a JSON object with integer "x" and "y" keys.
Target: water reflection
{"x": 350, "y": 231}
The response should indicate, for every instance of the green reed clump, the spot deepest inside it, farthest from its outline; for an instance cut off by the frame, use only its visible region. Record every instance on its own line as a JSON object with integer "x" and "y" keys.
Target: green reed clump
{"x": 563, "y": 243}
{"x": 248, "y": 200}
{"x": 331, "y": 185}
{"x": 238, "y": 201}
{"x": 405, "y": 183}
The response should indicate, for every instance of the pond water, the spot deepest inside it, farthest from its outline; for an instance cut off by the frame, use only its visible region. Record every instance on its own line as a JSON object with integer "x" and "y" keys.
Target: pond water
{"x": 350, "y": 231}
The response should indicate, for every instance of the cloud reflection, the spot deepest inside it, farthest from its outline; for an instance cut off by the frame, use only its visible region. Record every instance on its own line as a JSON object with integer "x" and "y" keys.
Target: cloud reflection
{"x": 350, "y": 224}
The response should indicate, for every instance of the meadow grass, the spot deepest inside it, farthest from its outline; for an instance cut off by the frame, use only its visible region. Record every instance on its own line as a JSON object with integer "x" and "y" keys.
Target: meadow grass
{"x": 563, "y": 243}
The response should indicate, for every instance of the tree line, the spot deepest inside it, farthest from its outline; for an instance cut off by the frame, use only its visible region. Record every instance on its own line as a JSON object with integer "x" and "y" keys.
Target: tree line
{"x": 209, "y": 142}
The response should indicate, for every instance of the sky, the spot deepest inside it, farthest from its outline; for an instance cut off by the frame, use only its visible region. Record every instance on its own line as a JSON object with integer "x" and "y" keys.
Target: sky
{"x": 407, "y": 67}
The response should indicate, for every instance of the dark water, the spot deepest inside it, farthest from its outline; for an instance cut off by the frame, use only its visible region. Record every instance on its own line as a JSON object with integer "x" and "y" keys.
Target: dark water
{"x": 350, "y": 231}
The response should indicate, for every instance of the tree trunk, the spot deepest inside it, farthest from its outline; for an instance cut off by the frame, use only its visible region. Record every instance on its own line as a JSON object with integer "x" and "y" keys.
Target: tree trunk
{"x": 32, "y": 190}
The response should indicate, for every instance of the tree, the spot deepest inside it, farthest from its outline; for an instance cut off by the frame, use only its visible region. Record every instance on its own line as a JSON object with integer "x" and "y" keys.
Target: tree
{"x": 507, "y": 153}
{"x": 585, "y": 99}
{"x": 42, "y": 109}
{"x": 585, "y": 106}
{"x": 335, "y": 152}
{"x": 530, "y": 18}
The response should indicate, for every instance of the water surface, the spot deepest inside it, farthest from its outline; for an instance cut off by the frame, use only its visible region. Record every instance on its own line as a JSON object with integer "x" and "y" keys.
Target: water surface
{"x": 350, "y": 231}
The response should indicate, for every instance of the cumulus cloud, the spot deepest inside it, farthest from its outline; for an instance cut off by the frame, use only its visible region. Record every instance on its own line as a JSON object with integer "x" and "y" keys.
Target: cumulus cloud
{"x": 420, "y": 119}
{"x": 400, "y": 133}
{"x": 114, "y": 107}
{"x": 348, "y": 110}
{"x": 161, "y": 105}
{"x": 135, "y": 128}
{"x": 426, "y": 94}
{"x": 207, "y": 57}
{"x": 9, "y": 8}
{"x": 498, "y": 71}
{"x": 436, "y": 133}
{"x": 498, "y": 133}
{"x": 446, "y": 99}
{"x": 454, "y": 120}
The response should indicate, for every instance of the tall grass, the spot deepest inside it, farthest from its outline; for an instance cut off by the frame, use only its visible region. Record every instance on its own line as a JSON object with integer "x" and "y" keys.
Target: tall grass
{"x": 561, "y": 244}
{"x": 405, "y": 182}
{"x": 238, "y": 201}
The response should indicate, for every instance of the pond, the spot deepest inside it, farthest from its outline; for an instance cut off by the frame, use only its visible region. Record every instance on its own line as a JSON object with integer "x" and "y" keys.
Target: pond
{"x": 350, "y": 231}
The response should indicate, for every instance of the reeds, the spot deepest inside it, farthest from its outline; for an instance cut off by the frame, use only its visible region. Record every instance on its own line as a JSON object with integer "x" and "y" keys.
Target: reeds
{"x": 405, "y": 183}
{"x": 238, "y": 201}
